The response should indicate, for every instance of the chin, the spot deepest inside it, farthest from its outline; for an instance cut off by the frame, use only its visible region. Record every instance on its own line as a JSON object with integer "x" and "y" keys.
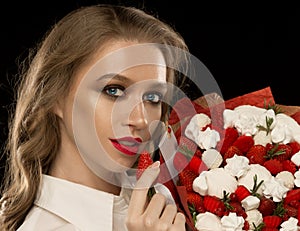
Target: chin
{"x": 123, "y": 165}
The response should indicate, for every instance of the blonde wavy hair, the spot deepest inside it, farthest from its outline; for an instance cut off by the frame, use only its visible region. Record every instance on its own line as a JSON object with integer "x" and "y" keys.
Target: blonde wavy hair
{"x": 46, "y": 77}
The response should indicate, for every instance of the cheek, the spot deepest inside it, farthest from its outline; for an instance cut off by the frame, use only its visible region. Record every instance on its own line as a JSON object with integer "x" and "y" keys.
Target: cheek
{"x": 154, "y": 113}
{"x": 103, "y": 117}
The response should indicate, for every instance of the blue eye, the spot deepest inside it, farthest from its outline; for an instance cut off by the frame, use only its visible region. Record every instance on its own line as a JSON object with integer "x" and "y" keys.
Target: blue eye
{"x": 152, "y": 97}
{"x": 114, "y": 91}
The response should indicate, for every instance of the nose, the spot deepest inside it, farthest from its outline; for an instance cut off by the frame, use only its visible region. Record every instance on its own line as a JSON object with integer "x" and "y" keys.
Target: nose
{"x": 138, "y": 117}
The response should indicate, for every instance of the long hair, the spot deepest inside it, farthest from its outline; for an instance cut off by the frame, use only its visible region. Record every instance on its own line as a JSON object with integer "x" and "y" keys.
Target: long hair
{"x": 46, "y": 77}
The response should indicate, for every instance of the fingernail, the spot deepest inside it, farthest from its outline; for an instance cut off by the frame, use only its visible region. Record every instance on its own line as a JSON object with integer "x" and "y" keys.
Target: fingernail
{"x": 156, "y": 164}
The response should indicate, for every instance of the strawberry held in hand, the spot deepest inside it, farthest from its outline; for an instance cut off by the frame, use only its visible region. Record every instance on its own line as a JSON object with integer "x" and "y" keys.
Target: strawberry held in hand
{"x": 144, "y": 162}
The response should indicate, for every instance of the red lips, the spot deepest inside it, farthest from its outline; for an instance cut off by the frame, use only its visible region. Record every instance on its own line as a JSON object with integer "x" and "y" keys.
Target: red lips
{"x": 127, "y": 145}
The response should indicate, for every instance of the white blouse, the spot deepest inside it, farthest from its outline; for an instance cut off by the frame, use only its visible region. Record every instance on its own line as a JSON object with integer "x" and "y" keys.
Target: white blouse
{"x": 64, "y": 205}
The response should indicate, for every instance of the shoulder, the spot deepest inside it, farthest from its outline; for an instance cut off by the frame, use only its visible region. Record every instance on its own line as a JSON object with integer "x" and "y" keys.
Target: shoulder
{"x": 41, "y": 219}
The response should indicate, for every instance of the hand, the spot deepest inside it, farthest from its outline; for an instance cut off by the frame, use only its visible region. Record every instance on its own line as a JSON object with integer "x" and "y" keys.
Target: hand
{"x": 154, "y": 214}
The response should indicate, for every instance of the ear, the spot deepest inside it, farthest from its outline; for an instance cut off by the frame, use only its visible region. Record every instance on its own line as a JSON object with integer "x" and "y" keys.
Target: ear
{"x": 58, "y": 109}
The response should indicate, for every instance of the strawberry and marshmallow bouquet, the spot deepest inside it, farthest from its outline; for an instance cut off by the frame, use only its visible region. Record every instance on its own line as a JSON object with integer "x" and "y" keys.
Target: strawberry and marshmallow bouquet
{"x": 244, "y": 172}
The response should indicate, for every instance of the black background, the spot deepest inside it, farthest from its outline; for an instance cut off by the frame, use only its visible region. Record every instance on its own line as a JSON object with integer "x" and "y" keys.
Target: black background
{"x": 245, "y": 47}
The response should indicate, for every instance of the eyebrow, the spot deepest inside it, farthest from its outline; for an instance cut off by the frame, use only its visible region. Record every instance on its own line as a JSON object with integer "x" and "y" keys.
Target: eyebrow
{"x": 125, "y": 79}
{"x": 119, "y": 77}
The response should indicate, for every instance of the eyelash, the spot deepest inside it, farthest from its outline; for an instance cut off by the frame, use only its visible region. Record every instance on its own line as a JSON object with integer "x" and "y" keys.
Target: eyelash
{"x": 154, "y": 101}
{"x": 106, "y": 90}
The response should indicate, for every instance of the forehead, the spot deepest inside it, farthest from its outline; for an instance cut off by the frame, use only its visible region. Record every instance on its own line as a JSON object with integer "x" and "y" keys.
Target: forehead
{"x": 127, "y": 58}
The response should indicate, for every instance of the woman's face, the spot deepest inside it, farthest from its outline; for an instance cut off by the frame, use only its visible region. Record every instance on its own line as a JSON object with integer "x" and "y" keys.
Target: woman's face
{"x": 115, "y": 104}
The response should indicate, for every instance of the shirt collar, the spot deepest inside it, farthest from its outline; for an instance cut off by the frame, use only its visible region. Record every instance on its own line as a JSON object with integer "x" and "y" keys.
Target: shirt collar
{"x": 86, "y": 208}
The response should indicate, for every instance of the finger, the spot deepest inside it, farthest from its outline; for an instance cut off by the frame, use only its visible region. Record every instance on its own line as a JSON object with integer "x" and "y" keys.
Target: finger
{"x": 148, "y": 177}
{"x": 179, "y": 221}
{"x": 139, "y": 194}
{"x": 169, "y": 214}
{"x": 154, "y": 208}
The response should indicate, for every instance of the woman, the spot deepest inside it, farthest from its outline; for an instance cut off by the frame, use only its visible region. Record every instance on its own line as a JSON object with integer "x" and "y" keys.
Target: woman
{"x": 90, "y": 77}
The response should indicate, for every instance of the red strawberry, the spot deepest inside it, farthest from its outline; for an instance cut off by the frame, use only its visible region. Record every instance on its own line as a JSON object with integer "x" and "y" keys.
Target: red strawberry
{"x": 272, "y": 221}
{"x": 269, "y": 229}
{"x": 214, "y": 205}
{"x": 195, "y": 200}
{"x": 290, "y": 211}
{"x": 144, "y": 162}
{"x": 283, "y": 152}
{"x": 256, "y": 154}
{"x": 242, "y": 192}
{"x": 232, "y": 150}
{"x": 197, "y": 165}
{"x": 180, "y": 161}
{"x": 186, "y": 178}
{"x": 279, "y": 151}
{"x": 291, "y": 195}
{"x": 274, "y": 166}
{"x": 289, "y": 165}
{"x": 246, "y": 226}
{"x": 266, "y": 206}
{"x": 295, "y": 203}
{"x": 237, "y": 208}
{"x": 244, "y": 143}
{"x": 233, "y": 197}
{"x": 231, "y": 134}
{"x": 269, "y": 146}
{"x": 295, "y": 147}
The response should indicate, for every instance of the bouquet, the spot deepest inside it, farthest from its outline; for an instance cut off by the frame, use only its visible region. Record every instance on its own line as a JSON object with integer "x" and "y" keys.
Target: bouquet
{"x": 238, "y": 163}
